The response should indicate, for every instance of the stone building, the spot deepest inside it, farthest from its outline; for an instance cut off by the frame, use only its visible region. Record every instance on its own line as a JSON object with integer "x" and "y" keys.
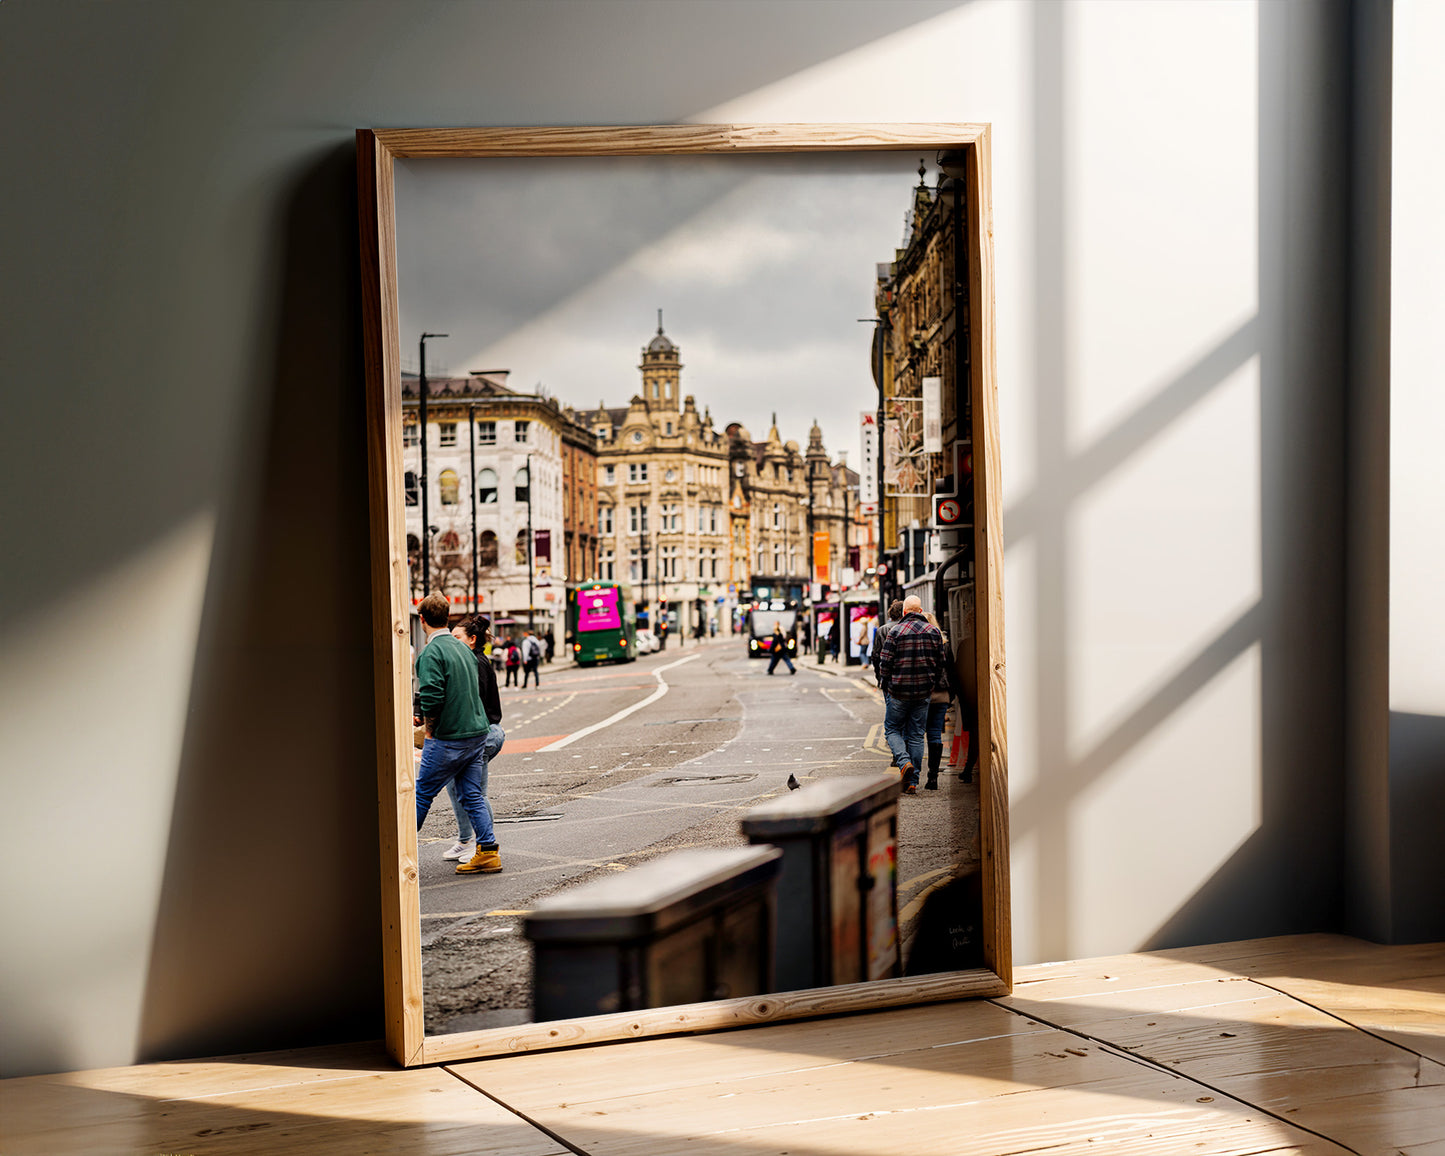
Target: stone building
{"x": 919, "y": 305}
{"x": 662, "y": 477}
{"x": 579, "y": 499}
{"x": 495, "y": 459}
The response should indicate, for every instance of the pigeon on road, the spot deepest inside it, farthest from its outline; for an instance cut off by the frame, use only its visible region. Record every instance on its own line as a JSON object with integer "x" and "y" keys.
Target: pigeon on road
{"x": 793, "y": 783}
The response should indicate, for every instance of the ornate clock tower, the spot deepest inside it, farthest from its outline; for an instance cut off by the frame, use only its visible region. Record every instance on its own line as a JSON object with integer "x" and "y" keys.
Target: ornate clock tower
{"x": 661, "y": 372}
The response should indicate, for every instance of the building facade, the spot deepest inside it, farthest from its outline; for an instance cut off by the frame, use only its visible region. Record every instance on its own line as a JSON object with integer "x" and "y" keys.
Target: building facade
{"x": 579, "y": 499}
{"x": 662, "y": 477}
{"x": 495, "y": 498}
{"x": 923, "y": 320}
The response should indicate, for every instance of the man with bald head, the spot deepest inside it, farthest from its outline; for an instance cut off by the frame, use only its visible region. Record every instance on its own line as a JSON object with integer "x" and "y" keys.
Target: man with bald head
{"x": 911, "y": 665}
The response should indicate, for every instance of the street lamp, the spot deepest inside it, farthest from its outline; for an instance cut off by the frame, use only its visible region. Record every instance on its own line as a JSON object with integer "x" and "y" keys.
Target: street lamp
{"x": 425, "y": 486}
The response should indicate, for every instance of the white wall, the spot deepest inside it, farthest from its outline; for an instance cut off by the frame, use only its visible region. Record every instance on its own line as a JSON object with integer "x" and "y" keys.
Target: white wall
{"x": 185, "y": 282}
{"x": 1417, "y": 477}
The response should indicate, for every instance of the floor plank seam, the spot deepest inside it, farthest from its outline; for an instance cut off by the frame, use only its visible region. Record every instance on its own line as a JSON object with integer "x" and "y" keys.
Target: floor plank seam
{"x": 1348, "y": 1023}
{"x": 1157, "y": 1066}
{"x": 526, "y": 1119}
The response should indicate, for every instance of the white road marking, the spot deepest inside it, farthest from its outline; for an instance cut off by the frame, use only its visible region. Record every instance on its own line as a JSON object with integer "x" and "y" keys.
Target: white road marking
{"x": 662, "y": 689}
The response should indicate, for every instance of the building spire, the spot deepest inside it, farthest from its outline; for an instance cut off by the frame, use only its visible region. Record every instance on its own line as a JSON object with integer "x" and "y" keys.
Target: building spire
{"x": 659, "y": 320}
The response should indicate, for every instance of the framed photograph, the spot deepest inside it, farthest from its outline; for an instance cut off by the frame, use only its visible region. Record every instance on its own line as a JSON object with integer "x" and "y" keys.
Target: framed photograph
{"x": 528, "y": 464}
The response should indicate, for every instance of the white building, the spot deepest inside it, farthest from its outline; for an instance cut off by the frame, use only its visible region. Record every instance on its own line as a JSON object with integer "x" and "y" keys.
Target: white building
{"x": 494, "y": 462}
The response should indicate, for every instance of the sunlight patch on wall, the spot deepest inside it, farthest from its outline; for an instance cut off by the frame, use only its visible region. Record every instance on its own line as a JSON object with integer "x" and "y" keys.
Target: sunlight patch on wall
{"x": 1169, "y": 814}
{"x": 1164, "y": 556}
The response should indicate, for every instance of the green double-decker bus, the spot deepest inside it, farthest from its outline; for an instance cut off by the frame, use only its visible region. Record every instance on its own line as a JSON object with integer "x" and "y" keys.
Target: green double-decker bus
{"x": 602, "y": 622}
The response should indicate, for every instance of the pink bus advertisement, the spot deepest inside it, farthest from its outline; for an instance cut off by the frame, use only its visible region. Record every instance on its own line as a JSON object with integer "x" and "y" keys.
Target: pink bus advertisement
{"x": 598, "y": 610}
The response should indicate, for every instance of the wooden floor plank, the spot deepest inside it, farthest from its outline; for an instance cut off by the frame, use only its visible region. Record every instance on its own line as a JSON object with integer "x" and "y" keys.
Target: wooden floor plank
{"x": 582, "y": 1076}
{"x": 1009, "y": 1092}
{"x": 419, "y": 1111}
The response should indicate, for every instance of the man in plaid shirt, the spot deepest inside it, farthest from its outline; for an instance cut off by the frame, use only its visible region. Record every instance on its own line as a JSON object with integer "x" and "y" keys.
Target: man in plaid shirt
{"x": 910, "y": 666}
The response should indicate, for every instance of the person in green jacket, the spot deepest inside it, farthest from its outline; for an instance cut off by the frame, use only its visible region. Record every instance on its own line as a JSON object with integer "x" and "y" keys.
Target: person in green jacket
{"x": 456, "y": 732}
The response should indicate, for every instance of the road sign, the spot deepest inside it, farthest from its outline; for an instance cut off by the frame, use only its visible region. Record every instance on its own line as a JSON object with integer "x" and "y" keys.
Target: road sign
{"x": 948, "y": 512}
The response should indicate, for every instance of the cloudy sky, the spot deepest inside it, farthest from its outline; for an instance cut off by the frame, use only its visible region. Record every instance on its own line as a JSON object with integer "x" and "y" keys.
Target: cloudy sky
{"x": 555, "y": 269}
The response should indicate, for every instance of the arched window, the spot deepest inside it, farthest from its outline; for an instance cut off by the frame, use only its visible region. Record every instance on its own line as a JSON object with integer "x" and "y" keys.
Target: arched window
{"x": 487, "y": 487}
{"x": 448, "y": 484}
{"x": 413, "y": 494}
{"x": 521, "y": 491}
{"x": 521, "y": 547}
{"x": 487, "y": 549}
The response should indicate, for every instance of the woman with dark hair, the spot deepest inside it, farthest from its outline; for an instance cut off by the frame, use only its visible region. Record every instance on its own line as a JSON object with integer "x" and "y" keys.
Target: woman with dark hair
{"x": 474, "y": 632}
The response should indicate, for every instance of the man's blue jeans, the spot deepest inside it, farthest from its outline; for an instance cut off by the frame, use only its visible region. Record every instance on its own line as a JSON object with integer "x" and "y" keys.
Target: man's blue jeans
{"x": 904, "y": 724}
{"x": 465, "y": 760}
{"x": 465, "y": 832}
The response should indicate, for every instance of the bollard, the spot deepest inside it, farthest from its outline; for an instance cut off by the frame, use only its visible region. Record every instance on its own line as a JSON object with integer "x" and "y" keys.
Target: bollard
{"x": 838, "y": 892}
{"x": 689, "y": 926}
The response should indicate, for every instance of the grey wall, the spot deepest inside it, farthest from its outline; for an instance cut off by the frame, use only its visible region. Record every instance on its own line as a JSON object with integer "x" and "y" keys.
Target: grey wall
{"x": 189, "y": 824}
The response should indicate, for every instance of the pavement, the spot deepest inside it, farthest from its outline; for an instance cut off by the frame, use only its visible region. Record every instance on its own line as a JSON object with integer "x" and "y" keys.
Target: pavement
{"x": 606, "y": 767}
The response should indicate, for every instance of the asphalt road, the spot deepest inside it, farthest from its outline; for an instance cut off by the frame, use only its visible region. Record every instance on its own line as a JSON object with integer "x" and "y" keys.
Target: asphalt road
{"x": 606, "y": 767}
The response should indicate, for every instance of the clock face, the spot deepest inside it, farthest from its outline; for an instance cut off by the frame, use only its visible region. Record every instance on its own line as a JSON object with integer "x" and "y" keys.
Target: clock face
{"x": 670, "y": 476}
{"x": 637, "y": 435}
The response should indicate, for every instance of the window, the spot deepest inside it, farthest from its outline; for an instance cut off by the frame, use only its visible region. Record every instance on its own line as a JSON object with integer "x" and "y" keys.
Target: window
{"x": 637, "y": 519}
{"x": 449, "y": 484}
{"x": 522, "y": 427}
{"x": 777, "y": 516}
{"x": 521, "y": 489}
{"x": 607, "y": 567}
{"x": 636, "y": 472}
{"x": 413, "y": 493}
{"x": 669, "y": 429}
{"x": 487, "y": 549}
{"x": 777, "y": 560}
{"x": 609, "y": 475}
{"x": 606, "y": 516}
{"x": 486, "y": 433}
{"x": 671, "y": 518}
{"x": 411, "y": 434}
{"x": 487, "y": 487}
{"x": 447, "y": 433}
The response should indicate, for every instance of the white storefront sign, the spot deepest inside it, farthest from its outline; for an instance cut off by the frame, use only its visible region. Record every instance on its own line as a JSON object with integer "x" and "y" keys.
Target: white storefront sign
{"x": 868, "y": 467}
{"x": 933, "y": 415}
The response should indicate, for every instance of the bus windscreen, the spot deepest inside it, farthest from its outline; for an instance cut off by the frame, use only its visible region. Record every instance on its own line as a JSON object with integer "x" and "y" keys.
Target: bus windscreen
{"x": 598, "y": 610}
{"x": 765, "y": 620}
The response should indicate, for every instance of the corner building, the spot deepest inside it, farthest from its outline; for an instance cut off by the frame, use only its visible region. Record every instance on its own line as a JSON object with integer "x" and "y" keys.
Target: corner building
{"x": 662, "y": 477}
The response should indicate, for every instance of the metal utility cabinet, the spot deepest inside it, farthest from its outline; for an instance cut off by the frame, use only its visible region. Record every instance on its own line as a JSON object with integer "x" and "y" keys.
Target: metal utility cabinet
{"x": 690, "y": 926}
{"x": 838, "y": 895}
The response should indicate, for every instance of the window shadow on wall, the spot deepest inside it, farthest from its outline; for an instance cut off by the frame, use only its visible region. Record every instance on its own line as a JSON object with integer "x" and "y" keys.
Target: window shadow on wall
{"x": 1285, "y": 877}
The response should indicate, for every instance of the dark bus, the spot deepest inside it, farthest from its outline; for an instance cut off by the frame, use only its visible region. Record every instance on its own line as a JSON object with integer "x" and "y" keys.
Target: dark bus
{"x": 762, "y": 617}
{"x": 602, "y": 622}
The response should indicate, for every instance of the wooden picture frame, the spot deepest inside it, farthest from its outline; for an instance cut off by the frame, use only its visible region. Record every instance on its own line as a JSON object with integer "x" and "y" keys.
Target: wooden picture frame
{"x": 401, "y": 934}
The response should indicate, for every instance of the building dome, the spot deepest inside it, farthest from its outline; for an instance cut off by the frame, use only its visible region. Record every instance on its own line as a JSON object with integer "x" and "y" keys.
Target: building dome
{"x": 661, "y": 344}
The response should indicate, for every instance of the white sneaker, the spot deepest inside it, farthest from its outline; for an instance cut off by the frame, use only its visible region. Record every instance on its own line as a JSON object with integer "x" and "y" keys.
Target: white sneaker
{"x": 460, "y": 850}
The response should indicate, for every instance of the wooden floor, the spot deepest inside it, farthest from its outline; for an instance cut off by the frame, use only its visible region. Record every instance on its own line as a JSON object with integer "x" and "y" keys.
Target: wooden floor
{"x": 1317, "y": 1044}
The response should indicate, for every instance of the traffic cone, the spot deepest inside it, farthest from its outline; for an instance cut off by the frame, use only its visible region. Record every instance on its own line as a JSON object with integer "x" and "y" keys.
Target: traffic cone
{"x": 957, "y": 737}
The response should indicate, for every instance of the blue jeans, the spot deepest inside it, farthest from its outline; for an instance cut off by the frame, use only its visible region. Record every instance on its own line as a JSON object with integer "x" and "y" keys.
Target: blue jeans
{"x": 465, "y": 832}
{"x": 464, "y": 760}
{"x": 904, "y": 723}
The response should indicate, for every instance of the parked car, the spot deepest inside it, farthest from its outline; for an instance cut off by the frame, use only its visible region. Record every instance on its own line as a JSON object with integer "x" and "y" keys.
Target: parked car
{"x": 647, "y": 642}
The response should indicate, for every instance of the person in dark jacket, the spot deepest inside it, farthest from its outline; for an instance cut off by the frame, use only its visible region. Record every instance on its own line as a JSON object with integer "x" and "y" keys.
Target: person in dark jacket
{"x": 473, "y": 633}
{"x": 895, "y": 615}
{"x": 910, "y": 668}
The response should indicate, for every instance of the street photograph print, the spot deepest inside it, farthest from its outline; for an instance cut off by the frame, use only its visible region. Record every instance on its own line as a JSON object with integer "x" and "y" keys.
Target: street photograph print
{"x": 693, "y": 679}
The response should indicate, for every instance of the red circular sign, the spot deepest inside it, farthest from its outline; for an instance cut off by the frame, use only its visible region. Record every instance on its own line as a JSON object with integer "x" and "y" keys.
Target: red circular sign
{"x": 882, "y": 569}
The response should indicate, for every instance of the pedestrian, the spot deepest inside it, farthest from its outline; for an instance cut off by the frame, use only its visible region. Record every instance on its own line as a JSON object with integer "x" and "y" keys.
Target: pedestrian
{"x": 514, "y": 661}
{"x": 835, "y": 634}
{"x": 551, "y": 643}
{"x": 939, "y": 703}
{"x": 910, "y": 665}
{"x": 778, "y": 644}
{"x": 531, "y": 659}
{"x": 473, "y": 633}
{"x": 895, "y": 615}
{"x": 806, "y": 631}
{"x": 457, "y": 730}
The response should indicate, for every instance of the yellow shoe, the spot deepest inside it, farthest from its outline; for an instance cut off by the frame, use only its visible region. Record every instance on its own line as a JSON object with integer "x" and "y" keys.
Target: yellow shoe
{"x": 482, "y": 863}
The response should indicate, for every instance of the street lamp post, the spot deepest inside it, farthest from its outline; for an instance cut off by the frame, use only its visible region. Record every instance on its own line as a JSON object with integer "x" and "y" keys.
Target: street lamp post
{"x": 472, "y": 439}
{"x": 425, "y": 485}
{"x": 530, "y": 609}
